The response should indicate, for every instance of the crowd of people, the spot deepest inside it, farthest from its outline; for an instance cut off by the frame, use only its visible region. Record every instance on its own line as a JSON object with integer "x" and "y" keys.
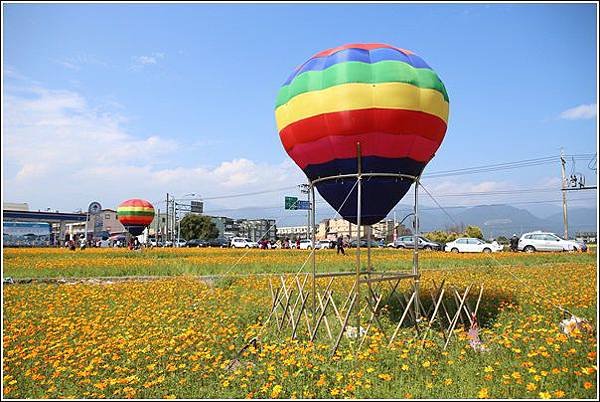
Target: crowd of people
{"x": 134, "y": 244}
{"x": 82, "y": 243}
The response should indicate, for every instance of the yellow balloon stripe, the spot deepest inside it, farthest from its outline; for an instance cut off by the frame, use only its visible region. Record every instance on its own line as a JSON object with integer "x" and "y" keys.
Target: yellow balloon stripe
{"x": 127, "y": 208}
{"x": 392, "y": 95}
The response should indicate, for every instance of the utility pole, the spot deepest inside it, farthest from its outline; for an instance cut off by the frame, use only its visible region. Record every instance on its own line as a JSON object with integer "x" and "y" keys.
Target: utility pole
{"x": 173, "y": 221}
{"x": 157, "y": 230}
{"x": 564, "y": 194}
{"x": 167, "y": 222}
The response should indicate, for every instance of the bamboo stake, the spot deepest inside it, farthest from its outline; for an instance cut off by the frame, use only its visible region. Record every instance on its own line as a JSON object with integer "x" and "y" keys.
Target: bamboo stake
{"x": 406, "y": 310}
{"x": 455, "y": 319}
{"x": 339, "y": 338}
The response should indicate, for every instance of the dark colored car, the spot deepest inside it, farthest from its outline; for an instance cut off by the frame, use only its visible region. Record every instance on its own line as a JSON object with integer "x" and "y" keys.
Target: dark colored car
{"x": 219, "y": 242}
{"x": 196, "y": 243}
{"x": 424, "y": 243}
{"x": 363, "y": 243}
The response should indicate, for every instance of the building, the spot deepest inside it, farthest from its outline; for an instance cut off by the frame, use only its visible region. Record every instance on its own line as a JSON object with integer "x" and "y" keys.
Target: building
{"x": 159, "y": 225}
{"x": 226, "y": 226}
{"x": 15, "y": 206}
{"x": 292, "y": 232}
{"x": 99, "y": 225}
{"x": 18, "y": 212}
{"x": 330, "y": 229}
{"x": 256, "y": 229}
{"x": 26, "y": 234}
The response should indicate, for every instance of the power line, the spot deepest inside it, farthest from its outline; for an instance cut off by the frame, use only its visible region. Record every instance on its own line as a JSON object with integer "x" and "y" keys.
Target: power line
{"x": 504, "y": 166}
{"x": 438, "y": 204}
{"x": 515, "y": 191}
{"x": 274, "y": 190}
{"x": 442, "y": 173}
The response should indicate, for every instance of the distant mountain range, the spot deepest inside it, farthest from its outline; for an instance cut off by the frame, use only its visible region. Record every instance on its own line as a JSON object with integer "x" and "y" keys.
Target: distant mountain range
{"x": 494, "y": 220}
{"x": 497, "y": 220}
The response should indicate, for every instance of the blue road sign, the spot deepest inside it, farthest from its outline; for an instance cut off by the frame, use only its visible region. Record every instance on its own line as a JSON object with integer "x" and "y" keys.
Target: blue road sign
{"x": 303, "y": 204}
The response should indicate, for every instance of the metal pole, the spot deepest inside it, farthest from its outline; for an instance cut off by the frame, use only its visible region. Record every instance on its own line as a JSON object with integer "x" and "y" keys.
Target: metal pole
{"x": 369, "y": 229}
{"x": 416, "y": 249}
{"x": 178, "y": 225}
{"x": 350, "y": 231}
{"x": 167, "y": 222}
{"x": 308, "y": 213}
{"x": 173, "y": 221}
{"x": 157, "y": 227}
{"x": 314, "y": 257}
{"x": 564, "y": 194}
{"x": 394, "y": 230}
{"x": 358, "y": 216}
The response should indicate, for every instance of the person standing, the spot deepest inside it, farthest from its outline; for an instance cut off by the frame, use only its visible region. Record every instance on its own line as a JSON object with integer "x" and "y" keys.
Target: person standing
{"x": 514, "y": 242}
{"x": 340, "y": 245}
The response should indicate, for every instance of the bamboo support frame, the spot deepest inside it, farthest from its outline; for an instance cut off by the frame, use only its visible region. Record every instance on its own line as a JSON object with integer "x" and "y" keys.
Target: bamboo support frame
{"x": 310, "y": 306}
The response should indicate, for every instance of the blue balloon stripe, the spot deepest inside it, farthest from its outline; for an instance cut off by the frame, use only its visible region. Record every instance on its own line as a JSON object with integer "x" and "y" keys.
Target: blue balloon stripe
{"x": 360, "y": 55}
{"x": 379, "y": 194}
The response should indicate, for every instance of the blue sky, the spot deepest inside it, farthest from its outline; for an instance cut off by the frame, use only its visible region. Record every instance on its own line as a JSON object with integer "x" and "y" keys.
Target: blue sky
{"x": 112, "y": 101}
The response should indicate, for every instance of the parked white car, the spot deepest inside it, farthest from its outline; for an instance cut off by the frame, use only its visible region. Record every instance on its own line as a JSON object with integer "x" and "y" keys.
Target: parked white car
{"x": 546, "y": 241}
{"x": 472, "y": 245}
{"x": 324, "y": 244}
{"x": 240, "y": 242}
{"x": 306, "y": 244}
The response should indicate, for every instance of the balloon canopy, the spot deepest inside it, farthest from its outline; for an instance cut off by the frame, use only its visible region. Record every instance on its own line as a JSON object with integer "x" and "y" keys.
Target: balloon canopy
{"x": 385, "y": 98}
{"x": 135, "y": 215}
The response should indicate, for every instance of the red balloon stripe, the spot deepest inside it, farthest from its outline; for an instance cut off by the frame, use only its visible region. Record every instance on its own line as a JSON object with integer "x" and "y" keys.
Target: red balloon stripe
{"x": 372, "y": 144}
{"x": 354, "y": 122}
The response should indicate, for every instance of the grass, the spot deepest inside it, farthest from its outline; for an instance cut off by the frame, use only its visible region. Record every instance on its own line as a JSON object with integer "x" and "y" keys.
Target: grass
{"x": 175, "y": 337}
{"x": 53, "y": 263}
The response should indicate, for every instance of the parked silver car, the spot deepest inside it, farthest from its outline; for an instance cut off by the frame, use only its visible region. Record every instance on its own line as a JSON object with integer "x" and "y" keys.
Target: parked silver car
{"x": 409, "y": 242}
{"x": 547, "y": 241}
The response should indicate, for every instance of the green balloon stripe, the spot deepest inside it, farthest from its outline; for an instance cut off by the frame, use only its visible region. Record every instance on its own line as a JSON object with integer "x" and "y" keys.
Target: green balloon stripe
{"x": 359, "y": 72}
{"x": 121, "y": 212}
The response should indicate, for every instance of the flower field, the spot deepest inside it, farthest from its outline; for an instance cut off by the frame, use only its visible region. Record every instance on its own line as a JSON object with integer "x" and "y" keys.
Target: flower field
{"x": 40, "y": 262}
{"x": 176, "y": 337}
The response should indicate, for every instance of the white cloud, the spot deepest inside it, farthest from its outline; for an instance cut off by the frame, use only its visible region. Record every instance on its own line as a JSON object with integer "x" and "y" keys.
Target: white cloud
{"x": 77, "y": 62}
{"x": 58, "y": 128}
{"x": 140, "y": 62}
{"x": 580, "y": 112}
{"x": 59, "y": 151}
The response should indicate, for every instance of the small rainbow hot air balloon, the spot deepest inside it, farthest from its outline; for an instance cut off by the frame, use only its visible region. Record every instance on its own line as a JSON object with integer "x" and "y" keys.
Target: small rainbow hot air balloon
{"x": 385, "y": 98}
{"x": 135, "y": 214}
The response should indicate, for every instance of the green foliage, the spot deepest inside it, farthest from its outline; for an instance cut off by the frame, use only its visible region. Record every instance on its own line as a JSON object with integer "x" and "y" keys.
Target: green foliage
{"x": 502, "y": 240}
{"x": 454, "y": 233}
{"x": 198, "y": 227}
{"x": 439, "y": 236}
{"x": 473, "y": 231}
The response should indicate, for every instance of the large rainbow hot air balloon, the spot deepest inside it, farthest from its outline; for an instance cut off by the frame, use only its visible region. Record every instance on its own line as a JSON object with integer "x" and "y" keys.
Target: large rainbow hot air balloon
{"x": 135, "y": 215}
{"x": 385, "y": 98}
